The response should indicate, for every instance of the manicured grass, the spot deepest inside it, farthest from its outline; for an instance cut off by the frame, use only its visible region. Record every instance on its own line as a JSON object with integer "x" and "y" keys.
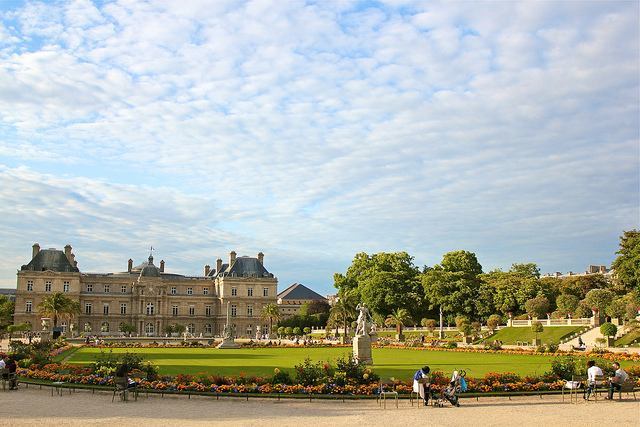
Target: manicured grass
{"x": 628, "y": 339}
{"x": 549, "y": 335}
{"x": 388, "y": 362}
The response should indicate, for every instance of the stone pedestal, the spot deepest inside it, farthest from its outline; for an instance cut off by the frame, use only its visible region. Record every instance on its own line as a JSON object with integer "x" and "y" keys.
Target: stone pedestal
{"x": 228, "y": 343}
{"x": 362, "y": 349}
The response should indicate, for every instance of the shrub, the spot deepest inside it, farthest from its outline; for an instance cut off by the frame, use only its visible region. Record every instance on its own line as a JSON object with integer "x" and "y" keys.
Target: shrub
{"x": 608, "y": 329}
{"x": 280, "y": 377}
{"x": 297, "y": 331}
{"x": 565, "y": 367}
{"x": 308, "y": 373}
{"x": 306, "y": 330}
{"x": 493, "y": 322}
{"x": 288, "y": 331}
{"x": 451, "y": 344}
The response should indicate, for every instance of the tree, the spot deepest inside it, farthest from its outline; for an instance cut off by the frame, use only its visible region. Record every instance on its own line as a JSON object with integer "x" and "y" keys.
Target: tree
{"x": 537, "y": 307}
{"x": 297, "y": 331}
{"x": 314, "y": 307}
{"x": 128, "y": 328}
{"x": 617, "y": 308}
{"x": 537, "y": 327}
{"x": 59, "y": 307}
{"x": 6, "y": 312}
{"x": 281, "y": 331}
{"x": 288, "y": 331}
{"x": 343, "y": 311}
{"x": 270, "y": 312}
{"x": 307, "y": 330}
{"x": 493, "y": 322}
{"x": 398, "y": 318}
{"x": 583, "y": 310}
{"x": 608, "y": 329}
{"x": 627, "y": 264}
{"x": 526, "y": 270}
{"x": 179, "y": 329}
{"x": 567, "y": 304}
{"x": 599, "y": 299}
{"x": 430, "y": 324}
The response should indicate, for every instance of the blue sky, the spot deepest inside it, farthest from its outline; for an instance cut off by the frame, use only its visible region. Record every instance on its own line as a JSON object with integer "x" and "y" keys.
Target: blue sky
{"x": 315, "y": 130}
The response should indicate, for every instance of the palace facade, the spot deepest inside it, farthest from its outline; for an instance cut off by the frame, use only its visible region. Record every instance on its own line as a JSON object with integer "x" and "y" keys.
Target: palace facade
{"x": 147, "y": 297}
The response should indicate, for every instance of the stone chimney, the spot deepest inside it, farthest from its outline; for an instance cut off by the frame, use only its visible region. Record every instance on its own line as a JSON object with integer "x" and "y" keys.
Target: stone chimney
{"x": 218, "y": 265}
{"x": 261, "y": 258}
{"x": 129, "y": 265}
{"x": 603, "y": 269}
{"x": 67, "y": 252}
{"x": 72, "y": 259}
{"x": 232, "y": 258}
{"x": 161, "y": 266}
{"x": 207, "y": 270}
{"x": 36, "y": 250}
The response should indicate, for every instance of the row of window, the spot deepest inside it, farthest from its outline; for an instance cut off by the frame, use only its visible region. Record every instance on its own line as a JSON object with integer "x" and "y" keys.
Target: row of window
{"x": 150, "y": 328}
{"x": 150, "y": 309}
{"x": 234, "y": 292}
{"x": 47, "y": 286}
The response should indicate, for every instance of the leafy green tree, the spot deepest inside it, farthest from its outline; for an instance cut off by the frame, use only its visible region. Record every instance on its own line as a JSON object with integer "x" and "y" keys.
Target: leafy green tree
{"x": 599, "y": 299}
{"x": 627, "y": 264}
{"x": 288, "y": 331}
{"x": 6, "y": 312}
{"x": 58, "y": 307}
{"x": 493, "y": 322}
{"x": 297, "y": 331}
{"x": 398, "y": 318}
{"x": 608, "y": 329}
{"x": 617, "y": 308}
{"x": 314, "y": 307}
{"x": 583, "y": 310}
{"x": 128, "y": 328}
{"x": 567, "y": 304}
{"x": 485, "y": 301}
{"x": 526, "y": 270}
{"x": 343, "y": 311}
{"x": 538, "y": 306}
{"x": 430, "y": 324}
{"x": 462, "y": 262}
{"x": 306, "y": 330}
{"x": 581, "y": 285}
{"x": 270, "y": 312}
{"x": 281, "y": 331}
{"x": 536, "y": 327}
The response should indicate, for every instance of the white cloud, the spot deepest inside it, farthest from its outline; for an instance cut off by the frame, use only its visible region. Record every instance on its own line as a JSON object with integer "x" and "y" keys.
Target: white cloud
{"x": 322, "y": 130}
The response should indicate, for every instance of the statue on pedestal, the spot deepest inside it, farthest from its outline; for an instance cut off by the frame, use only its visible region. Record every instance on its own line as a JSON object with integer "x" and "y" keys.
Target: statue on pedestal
{"x": 365, "y": 328}
{"x": 228, "y": 334}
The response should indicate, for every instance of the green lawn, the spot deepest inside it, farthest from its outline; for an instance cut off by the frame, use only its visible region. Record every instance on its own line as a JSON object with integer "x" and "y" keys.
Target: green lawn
{"x": 388, "y": 362}
{"x": 628, "y": 339}
{"x": 549, "y": 335}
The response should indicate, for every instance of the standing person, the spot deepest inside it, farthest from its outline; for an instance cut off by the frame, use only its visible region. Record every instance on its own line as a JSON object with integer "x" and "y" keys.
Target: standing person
{"x": 592, "y": 372}
{"x": 615, "y": 382}
{"x": 421, "y": 384}
{"x": 12, "y": 367}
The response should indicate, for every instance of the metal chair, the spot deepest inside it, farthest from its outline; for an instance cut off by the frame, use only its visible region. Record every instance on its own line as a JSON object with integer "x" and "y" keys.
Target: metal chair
{"x": 123, "y": 388}
{"x": 578, "y": 382}
{"x": 627, "y": 387}
{"x": 384, "y": 391}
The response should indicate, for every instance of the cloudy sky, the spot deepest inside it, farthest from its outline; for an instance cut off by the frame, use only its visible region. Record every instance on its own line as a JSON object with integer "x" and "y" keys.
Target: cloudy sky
{"x": 315, "y": 130}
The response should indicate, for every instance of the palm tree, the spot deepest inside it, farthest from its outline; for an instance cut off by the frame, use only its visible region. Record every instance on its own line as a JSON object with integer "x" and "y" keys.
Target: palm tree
{"x": 58, "y": 306}
{"x": 343, "y": 311}
{"x": 398, "y": 318}
{"x": 270, "y": 312}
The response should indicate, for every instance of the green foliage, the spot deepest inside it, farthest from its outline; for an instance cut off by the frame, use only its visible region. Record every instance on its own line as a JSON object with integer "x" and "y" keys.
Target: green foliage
{"x": 297, "y": 331}
{"x": 566, "y": 367}
{"x": 58, "y": 306}
{"x": 288, "y": 331}
{"x": 270, "y": 312}
{"x": 354, "y": 372}
{"x": 493, "y": 322}
{"x": 538, "y": 306}
{"x": 430, "y": 324}
{"x": 128, "y": 328}
{"x": 627, "y": 264}
{"x": 537, "y": 327}
{"x": 398, "y": 318}
{"x": 616, "y": 308}
{"x": 281, "y": 330}
{"x": 583, "y": 310}
{"x": 281, "y": 377}
{"x": 6, "y": 312}
{"x": 319, "y": 319}
{"x": 567, "y": 304}
{"x": 306, "y": 330}
{"x": 314, "y": 307}
{"x": 526, "y": 270}
{"x": 608, "y": 329}
{"x": 599, "y": 299}
{"x": 309, "y": 373}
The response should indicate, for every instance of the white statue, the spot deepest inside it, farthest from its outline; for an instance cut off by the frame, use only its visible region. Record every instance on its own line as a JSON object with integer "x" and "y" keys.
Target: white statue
{"x": 257, "y": 332}
{"x": 364, "y": 319}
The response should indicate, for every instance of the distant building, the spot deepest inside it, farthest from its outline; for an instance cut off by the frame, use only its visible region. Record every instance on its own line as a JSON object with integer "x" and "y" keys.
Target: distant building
{"x": 147, "y": 297}
{"x": 291, "y": 299}
{"x": 592, "y": 269}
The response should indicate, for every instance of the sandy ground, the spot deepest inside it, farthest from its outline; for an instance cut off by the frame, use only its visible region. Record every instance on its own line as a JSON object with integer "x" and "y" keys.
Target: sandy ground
{"x": 37, "y": 407}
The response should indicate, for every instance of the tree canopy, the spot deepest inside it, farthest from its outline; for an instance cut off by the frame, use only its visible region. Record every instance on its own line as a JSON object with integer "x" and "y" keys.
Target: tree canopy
{"x": 627, "y": 264}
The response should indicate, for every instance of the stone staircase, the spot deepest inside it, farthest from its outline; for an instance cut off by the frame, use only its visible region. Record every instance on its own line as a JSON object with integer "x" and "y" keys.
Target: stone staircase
{"x": 589, "y": 338}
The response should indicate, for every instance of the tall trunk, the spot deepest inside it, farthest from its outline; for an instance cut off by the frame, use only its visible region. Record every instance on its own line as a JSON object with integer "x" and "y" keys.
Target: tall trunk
{"x": 55, "y": 319}
{"x": 399, "y": 328}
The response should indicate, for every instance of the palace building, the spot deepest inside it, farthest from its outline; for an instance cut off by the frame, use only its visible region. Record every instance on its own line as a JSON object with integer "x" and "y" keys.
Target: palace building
{"x": 147, "y": 297}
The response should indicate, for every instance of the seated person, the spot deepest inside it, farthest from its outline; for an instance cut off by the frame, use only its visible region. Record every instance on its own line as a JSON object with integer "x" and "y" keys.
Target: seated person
{"x": 12, "y": 367}
{"x": 592, "y": 372}
{"x": 421, "y": 384}
{"x": 615, "y": 382}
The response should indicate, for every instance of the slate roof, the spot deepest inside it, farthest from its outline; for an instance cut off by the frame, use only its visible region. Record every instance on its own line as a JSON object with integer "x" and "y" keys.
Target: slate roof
{"x": 298, "y": 291}
{"x": 50, "y": 259}
{"x": 245, "y": 266}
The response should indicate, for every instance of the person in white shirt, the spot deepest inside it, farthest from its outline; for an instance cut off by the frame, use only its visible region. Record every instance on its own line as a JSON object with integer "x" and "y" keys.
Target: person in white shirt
{"x": 421, "y": 384}
{"x": 592, "y": 372}
{"x": 2, "y": 364}
{"x": 615, "y": 382}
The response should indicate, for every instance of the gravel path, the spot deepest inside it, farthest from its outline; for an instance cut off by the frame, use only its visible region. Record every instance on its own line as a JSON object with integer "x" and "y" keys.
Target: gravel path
{"x": 37, "y": 407}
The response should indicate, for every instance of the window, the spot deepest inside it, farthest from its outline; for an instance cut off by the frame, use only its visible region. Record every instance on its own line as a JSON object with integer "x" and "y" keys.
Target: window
{"x": 107, "y": 289}
{"x": 123, "y": 308}
{"x": 65, "y": 286}
{"x": 89, "y": 287}
{"x": 250, "y": 310}
{"x": 87, "y": 327}
{"x": 150, "y": 309}
{"x": 64, "y": 327}
{"x": 105, "y": 309}
{"x": 47, "y": 286}
{"x": 234, "y": 292}
{"x": 174, "y": 290}
{"x": 104, "y": 327}
{"x": 207, "y": 310}
{"x": 28, "y": 307}
{"x": 189, "y": 291}
{"x": 207, "y": 328}
{"x": 30, "y": 285}
{"x": 192, "y": 310}
{"x": 123, "y": 289}
{"x": 265, "y": 330}
{"x": 234, "y": 310}
{"x": 249, "y": 292}
{"x": 174, "y": 310}
{"x": 205, "y": 291}
{"x": 249, "y": 330}
{"x": 265, "y": 292}
{"x": 191, "y": 328}
{"x": 87, "y": 308}
{"x": 141, "y": 291}
{"x": 149, "y": 329}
